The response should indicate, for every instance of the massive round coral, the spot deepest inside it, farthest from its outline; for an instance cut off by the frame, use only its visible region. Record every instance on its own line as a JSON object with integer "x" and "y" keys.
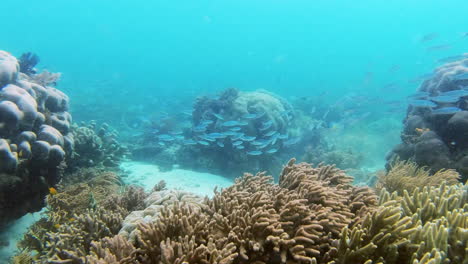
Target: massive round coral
{"x": 34, "y": 139}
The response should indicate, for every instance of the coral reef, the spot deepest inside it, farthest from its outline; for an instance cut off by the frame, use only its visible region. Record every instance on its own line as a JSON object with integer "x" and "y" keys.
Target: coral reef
{"x": 430, "y": 225}
{"x": 407, "y": 175}
{"x": 84, "y": 210}
{"x": 437, "y": 122}
{"x": 313, "y": 215}
{"x": 298, "y": 220}
{"x": 35, "y": 139}
{"x": 228, "y": 134}
{"x": 154, "y": 203}
{"x": 96, "y": 146}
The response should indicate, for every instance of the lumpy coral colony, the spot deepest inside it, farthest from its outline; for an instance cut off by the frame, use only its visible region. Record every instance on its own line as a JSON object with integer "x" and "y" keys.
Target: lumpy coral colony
{"x": 35, "y": 137}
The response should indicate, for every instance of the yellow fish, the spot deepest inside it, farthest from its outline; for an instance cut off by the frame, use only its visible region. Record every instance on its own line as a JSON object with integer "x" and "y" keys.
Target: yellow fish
{"x": 52, "y": 191}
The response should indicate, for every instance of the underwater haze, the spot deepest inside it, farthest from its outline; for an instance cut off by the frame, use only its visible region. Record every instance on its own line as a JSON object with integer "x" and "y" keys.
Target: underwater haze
{"x": 189, "y": 95}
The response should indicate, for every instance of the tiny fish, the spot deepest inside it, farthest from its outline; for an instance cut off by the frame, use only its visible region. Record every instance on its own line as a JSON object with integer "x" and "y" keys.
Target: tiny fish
{"x": 271, "y": 133}
{"x": 207, "y": 122}
{"x": 240, "y": 147}
{"x": 207, "y": 138}
{"x": 283, "y": 136}
{"x": 216, "y": 135}
{"x": 237, "y": 136}
{"x": 166, "y": 137}
{"x": 446, "y": 110}
{"x": 243, "y": 123}
{"x": 175, "y": 133}
{"x": 271, "y": 151}
{"x": 254, "y": 153}
{"x": 445, "y": 99}
{"x": 236, "y": 143}
{"x": 419, "y": 95}
{"x": 220, "y": 144}
{"x": 249, "y": 116}
{"x": 231, "y": 123}
{"x": 190, "y": 142}
{"x": 248, "y": 138}
{"x": 218, "y": 116}
{"x": 459, "y": 93}
{"x": 230, "y": 133}
{"x": 265, "y": 127}
{"x": 422, "y": 103}
{"x": 161, "y": 144}
{"x": 204, "y": 143}
{"x": 235, "y": 129}
{"x": 199, "y": 129}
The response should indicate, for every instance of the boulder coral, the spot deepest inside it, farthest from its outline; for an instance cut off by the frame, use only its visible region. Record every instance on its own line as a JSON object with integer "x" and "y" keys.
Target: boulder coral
{"x": 435, "y": 135}
{"x": 35, "y": 139}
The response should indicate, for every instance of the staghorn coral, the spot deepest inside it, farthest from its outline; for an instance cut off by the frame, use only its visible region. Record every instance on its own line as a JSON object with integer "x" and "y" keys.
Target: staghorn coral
{"x": 428, "y": 226}
{"x": 407, "y": 175}
{"x": 253, "y": 221}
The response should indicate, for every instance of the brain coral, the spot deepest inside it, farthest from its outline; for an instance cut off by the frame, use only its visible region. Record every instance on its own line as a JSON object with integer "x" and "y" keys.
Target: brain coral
{"x": 35, "y": 138}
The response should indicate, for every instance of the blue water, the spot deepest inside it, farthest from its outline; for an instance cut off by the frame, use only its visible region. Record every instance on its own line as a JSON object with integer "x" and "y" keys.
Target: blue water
{"x": 129, "y": 61}
{"x": 288, "y": 47}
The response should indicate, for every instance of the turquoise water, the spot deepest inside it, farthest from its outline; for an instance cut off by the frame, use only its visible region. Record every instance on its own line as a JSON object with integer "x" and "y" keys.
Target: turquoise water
{"x": 288, "y": 47}
{"x": 150, "y": 56}
{"x": 128, "y": 63}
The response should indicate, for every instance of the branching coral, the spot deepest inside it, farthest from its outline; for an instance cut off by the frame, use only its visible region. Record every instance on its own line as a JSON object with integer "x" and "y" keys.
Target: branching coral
{"x": 76, "y": 216}
{"x": 407, "y": 175}
{"x": 253, "y": 221}
{"x": 428, "y": 226}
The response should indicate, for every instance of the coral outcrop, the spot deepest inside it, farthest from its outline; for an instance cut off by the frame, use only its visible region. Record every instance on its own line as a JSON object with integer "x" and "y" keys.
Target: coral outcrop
{"x": 95, "y": 146}
{"x": 436, "y": 124}
{"x": 35, "y": 138}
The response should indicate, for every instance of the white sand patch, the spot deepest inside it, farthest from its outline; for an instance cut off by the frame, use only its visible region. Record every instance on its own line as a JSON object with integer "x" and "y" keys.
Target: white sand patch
{"x": 148, "y": 175}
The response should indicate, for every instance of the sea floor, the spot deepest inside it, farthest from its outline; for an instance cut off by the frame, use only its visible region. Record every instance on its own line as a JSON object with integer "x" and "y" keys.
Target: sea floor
{"x": 137, "y": 173}
{"x": 148, "y": 175}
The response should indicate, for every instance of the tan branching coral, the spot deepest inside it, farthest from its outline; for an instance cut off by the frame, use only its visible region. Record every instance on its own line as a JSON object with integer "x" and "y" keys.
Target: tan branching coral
{"x": 253, "y": 221}
{"x": 428, "y": 226}
{"x": 407, "y": 175}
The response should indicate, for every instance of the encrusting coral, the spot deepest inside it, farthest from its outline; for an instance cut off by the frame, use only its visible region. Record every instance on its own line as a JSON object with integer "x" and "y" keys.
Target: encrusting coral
{"x": 407, "y": 175}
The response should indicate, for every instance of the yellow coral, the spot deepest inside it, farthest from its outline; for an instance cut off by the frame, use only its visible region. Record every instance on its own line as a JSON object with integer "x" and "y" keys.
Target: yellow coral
{"x": 407, "y": 175}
